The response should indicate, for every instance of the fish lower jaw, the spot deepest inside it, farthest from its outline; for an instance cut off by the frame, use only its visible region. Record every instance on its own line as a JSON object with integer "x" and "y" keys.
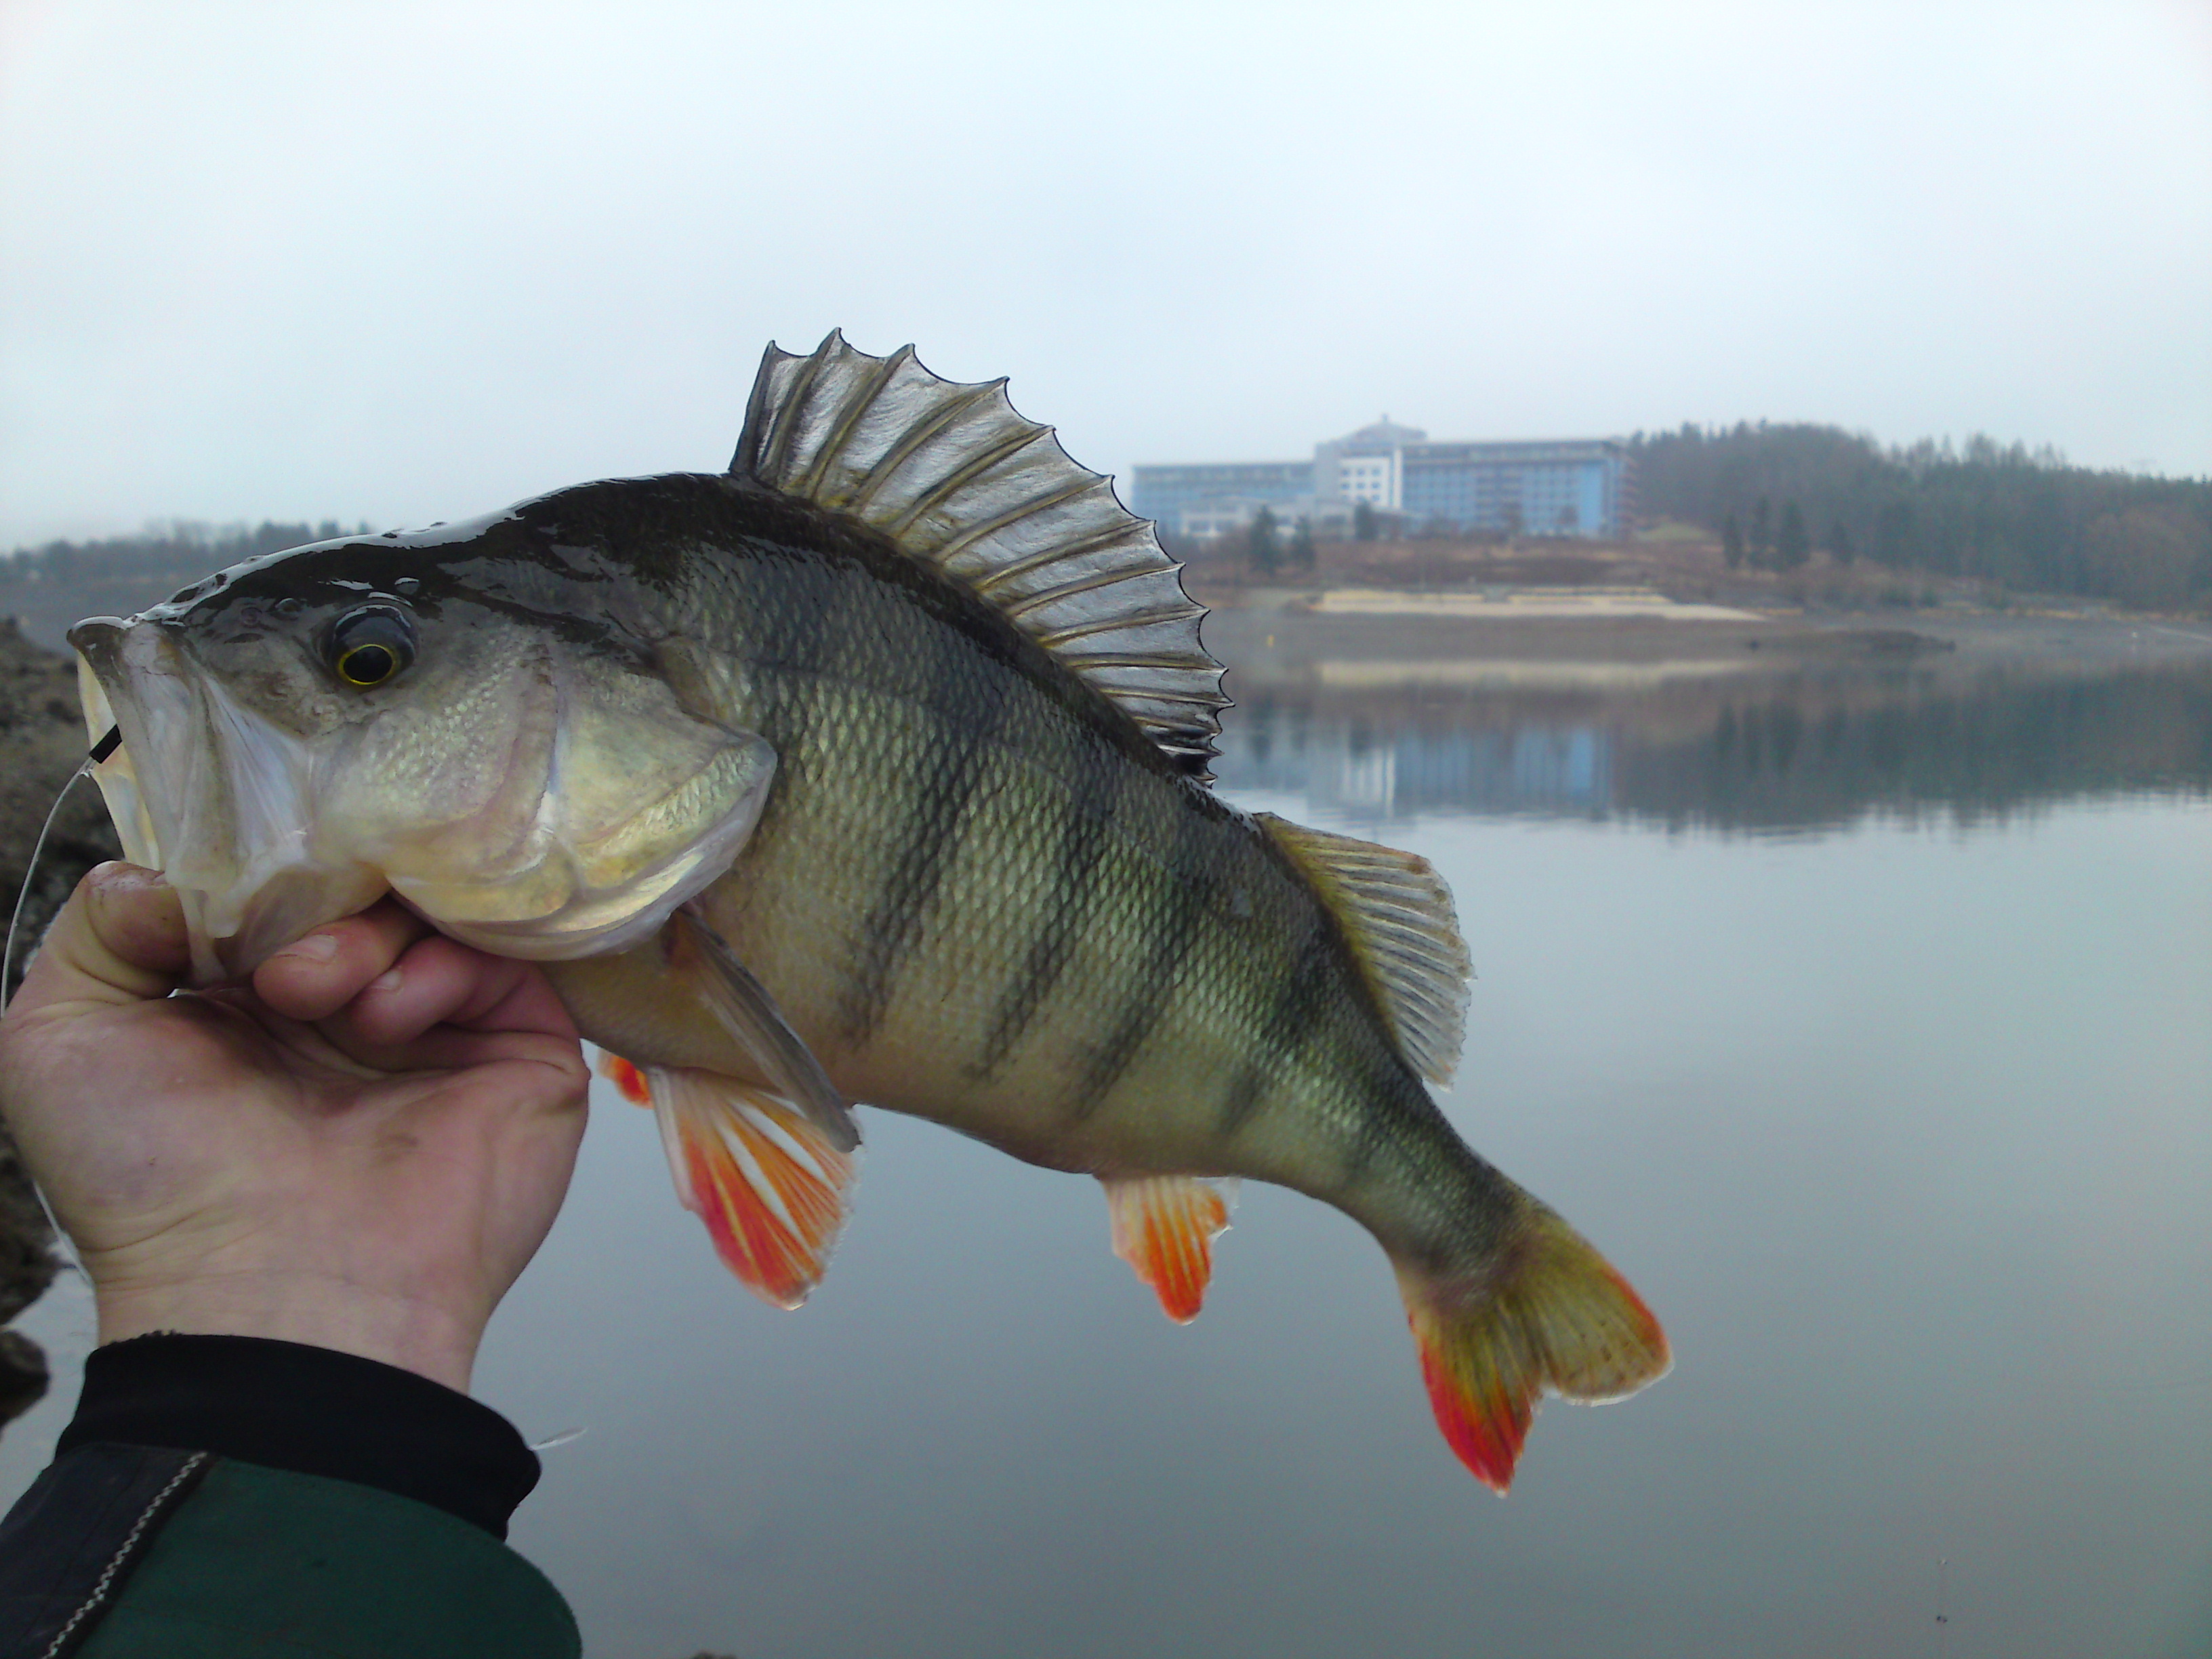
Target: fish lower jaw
{"x": 235, "y": 928}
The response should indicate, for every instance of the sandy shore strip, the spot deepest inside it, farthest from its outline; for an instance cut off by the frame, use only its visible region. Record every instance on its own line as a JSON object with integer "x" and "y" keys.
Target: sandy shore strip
{"x": 1523, "y": 675}
{"x": 1513, "y": 604}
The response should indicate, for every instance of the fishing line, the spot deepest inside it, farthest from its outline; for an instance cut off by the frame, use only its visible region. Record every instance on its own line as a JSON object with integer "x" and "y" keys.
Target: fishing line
{"x": 101, "y": 752}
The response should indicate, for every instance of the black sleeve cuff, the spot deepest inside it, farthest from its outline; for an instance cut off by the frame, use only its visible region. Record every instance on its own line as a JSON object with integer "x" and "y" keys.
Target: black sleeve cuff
{"x": 312, "y": 1411}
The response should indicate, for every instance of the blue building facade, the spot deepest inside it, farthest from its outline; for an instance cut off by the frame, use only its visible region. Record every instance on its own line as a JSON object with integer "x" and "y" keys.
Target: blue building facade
{"x": 1162, "y": 493}
{"x": 1554, "y": 489}
{"x": 1576, "y": 487}
{"x": 1568, "y": 769}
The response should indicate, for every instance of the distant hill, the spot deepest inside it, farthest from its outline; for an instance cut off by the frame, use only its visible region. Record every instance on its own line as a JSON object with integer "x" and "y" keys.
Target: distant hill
{"x": 1783, "y": 495}
{"x": 49, "y": 588}
{"x": 1778, "y": 498}
{"x": 1802, "y": 509}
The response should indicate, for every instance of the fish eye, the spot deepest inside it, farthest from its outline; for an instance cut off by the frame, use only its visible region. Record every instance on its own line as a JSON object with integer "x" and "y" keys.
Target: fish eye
{"x": 369, "y": 645}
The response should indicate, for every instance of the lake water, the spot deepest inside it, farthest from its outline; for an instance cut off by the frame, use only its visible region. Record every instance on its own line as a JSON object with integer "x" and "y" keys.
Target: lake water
{"x": 1865, "y": 1020}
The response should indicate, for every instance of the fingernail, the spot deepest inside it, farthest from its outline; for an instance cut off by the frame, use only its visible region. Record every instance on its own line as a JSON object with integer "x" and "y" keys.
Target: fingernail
{"x": 316, "y": 947}
{"x": 115, "y": 875}
{"x": 389, "y": 981}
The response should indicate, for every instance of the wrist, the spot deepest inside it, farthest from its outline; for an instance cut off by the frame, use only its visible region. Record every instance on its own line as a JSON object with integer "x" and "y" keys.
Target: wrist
{"x": 425, "y": 1338}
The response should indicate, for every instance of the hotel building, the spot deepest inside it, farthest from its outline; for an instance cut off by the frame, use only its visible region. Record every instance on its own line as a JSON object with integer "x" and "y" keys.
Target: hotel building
{"x": 1575, "y": 487}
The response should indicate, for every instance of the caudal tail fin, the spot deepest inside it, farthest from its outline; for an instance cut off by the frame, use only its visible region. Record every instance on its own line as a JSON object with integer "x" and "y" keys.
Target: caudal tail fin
{"x": 1549, "y": 1315}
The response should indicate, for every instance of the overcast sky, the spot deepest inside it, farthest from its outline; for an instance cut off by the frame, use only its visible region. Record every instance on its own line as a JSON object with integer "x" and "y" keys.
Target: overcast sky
{"x": 402, "y": 263}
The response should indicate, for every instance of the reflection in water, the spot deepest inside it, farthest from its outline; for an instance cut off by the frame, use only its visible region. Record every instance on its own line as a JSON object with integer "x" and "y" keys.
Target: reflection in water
{"x": 1794, "y": 751}
{"x": 1904, "y": 1136}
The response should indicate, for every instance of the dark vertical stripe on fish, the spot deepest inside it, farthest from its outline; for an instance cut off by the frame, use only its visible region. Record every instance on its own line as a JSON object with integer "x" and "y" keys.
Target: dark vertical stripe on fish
{"x": 802, "y": 617}
{"x": 1305, "y": 993}
{"x": 1175, "y": 926}
{"x": 1378, "y": 1125}
{"x": 961, "y": 703}
{"x": 1075, "y": 884}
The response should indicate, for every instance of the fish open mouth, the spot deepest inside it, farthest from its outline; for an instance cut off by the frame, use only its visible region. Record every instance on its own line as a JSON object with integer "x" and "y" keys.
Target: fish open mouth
{"x": 212, "y": 795}
{"x": 560, "y": 831}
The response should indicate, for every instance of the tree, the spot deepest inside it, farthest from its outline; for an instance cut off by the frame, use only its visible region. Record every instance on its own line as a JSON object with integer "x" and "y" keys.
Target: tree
{"x": 1261, "y": 541}
{"x": 2015, "y": 515}
{"x": 1791, "y": 544}
{"x": 1762, "y": 533}
{"x": 1366, "y": 523}
{"x": 1892, "y": 535}
{"x": 2148, "y": 556}
{"x": 1839, "y": 543}
{"x": 1732, "y": 543}
{"x": 1300, "y": 556}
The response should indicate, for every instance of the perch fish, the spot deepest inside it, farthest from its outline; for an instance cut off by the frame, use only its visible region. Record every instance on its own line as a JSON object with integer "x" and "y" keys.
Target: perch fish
{"x": 871, "y": 769}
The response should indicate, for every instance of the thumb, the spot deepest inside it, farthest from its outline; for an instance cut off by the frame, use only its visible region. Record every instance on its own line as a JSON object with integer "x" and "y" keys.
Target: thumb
{"x": 120, "y": 939}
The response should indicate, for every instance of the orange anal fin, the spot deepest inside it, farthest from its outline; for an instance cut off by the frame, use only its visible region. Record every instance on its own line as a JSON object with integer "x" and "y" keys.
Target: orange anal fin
{"x": 764, "y": 1177}
{"x": 1554, "y": 1319}
{"x": 626, "y": 1075}
{"x": 1164, "y": 1227}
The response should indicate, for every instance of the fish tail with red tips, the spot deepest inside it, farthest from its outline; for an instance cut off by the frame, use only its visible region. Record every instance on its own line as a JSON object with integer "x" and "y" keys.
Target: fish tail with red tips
{"x": 1548, "y": 1315}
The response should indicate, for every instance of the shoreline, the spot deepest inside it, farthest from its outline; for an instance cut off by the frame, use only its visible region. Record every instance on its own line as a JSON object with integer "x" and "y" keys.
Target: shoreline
{"x": 1626, "y": 636}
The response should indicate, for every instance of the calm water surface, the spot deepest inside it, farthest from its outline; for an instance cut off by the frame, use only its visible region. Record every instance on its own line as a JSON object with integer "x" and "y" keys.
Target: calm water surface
{"x": 1863, "y": 1023}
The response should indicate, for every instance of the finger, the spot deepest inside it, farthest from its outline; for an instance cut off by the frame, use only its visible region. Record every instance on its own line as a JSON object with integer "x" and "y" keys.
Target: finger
{"x": 553, "y": 1065}
{"x": 120, "y": 939}
{"x": 437, "y": 981}
{"x": 312, "y": 978}
{"x": 448, "y": 1047}
{"x": 526, "y": 1003}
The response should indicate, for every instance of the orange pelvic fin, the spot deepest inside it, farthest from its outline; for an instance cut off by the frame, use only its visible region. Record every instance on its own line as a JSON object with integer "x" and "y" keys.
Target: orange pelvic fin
{"x": 1553, "y": 1318}
{"x": 626, "y": 1075}
{"x": 764, "y": 1177}
{"x": 1164, "y": 1227}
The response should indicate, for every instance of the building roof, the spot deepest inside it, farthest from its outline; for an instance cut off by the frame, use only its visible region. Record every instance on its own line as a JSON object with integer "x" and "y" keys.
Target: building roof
{"x": 1377, "y": 438}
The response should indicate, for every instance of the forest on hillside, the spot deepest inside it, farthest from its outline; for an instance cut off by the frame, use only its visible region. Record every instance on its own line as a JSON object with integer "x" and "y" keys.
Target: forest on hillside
{"x": 2025, "y": 520}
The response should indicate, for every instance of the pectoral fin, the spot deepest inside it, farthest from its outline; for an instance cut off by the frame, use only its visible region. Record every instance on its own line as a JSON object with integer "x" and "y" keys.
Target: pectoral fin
{"x": 1164, "y": 1227}
{"x": 741, "y": 1005}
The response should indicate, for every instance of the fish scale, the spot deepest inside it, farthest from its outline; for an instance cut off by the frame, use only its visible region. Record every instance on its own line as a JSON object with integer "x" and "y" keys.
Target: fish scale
{"x": 871, "y": 771}
{"x": 876, "y": 715}
{"x": 1156, "y": 915}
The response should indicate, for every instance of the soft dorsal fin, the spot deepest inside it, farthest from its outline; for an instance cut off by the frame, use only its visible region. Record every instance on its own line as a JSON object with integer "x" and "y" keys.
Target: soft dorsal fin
{"x": 1397, "y": 914}
{"x": 960, "y": 481}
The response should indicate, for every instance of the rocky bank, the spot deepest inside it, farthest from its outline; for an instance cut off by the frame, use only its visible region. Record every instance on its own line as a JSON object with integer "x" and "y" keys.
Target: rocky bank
{"x": 42, "y": 741}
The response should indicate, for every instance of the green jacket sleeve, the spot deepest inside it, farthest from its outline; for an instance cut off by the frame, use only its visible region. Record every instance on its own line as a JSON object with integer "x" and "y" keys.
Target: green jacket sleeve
{"x": 264, "y": 1561}
{"x": 368, "y": 1524}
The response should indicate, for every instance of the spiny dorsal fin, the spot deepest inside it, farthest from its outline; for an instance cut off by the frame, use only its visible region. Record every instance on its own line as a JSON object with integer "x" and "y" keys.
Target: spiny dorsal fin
{"x": 1397, "y": 913}
{"x": 963, "y": 482}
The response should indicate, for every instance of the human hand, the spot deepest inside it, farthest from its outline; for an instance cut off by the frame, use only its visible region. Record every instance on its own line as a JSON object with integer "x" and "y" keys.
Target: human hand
{"x": 360, "y": 1150}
